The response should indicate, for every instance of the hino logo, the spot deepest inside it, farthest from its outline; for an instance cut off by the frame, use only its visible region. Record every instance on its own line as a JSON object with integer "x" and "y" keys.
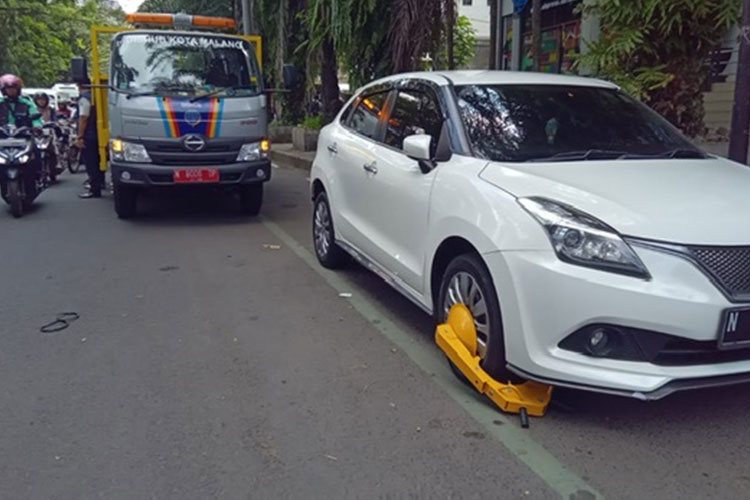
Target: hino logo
{"x": 194, "y": 143}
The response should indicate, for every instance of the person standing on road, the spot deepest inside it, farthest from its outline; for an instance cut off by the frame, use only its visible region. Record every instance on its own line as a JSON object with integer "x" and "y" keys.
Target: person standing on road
{"x": 88, "y": 142}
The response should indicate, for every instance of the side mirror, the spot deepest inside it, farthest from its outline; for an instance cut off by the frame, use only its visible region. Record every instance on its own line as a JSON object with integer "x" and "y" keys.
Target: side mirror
{"x": 417, "y": 147}
{"x": 292, "y": 76}
{"x": 78, "y": 70}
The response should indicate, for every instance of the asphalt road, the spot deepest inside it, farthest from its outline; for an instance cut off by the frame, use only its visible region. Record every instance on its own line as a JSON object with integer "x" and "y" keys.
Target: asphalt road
{"x": 213, "y": 359}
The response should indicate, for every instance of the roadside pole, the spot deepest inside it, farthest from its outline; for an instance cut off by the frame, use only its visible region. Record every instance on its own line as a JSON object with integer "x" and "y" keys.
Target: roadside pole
{"x": 246, "y": 24}
{"x": 738, "y": 141}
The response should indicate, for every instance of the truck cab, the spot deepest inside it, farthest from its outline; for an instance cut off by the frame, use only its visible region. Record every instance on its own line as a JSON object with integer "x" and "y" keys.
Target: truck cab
{"x": 185, "y": 107}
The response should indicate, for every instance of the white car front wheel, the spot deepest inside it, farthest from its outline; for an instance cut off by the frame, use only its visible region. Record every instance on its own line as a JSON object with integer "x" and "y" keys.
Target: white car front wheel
{"x": 467, "y": 281}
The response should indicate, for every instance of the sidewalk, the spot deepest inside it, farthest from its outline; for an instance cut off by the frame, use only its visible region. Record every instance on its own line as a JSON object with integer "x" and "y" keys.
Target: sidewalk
{"x": 285, "y": 154}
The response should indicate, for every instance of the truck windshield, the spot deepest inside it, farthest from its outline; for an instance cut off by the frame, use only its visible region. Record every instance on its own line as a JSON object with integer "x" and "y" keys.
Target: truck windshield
{"x": 519, "y": 123}
{"x": 184, "y": 64}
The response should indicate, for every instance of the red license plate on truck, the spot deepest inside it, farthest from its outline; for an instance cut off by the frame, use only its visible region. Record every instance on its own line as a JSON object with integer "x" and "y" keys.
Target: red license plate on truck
{"x": 191, "y": 175}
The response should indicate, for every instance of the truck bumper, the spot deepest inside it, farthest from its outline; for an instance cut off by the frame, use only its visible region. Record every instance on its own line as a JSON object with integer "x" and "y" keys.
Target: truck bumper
{"x": 148, "y": 174}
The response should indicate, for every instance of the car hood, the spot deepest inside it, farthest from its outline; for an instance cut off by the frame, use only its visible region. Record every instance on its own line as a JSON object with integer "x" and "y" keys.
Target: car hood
{"x": 704, "y": 202}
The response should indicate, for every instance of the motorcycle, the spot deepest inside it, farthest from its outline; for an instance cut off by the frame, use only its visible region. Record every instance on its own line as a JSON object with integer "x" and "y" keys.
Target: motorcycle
{"x": 48, "y": 155}
{"x": 21, "y": 179}
{"x": 69, "y": 154}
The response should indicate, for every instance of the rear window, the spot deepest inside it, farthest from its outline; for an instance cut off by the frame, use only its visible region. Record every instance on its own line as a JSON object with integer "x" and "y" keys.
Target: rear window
{"x": 538, "y": 122}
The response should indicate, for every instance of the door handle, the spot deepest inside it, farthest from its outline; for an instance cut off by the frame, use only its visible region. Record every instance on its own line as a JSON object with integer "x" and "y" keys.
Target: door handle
{"x": 332, "y": 148}
{"x": 371, "y": 168}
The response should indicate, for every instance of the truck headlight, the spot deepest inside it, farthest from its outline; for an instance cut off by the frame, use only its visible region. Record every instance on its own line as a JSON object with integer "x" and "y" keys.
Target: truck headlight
{"x": 581, "y": 239}
{"x": 254, "y": 151}
{"x": 128, "y": 151}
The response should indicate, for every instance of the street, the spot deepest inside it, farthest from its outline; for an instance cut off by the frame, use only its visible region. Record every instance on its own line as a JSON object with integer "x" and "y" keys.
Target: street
{"x": 215, "y": 359}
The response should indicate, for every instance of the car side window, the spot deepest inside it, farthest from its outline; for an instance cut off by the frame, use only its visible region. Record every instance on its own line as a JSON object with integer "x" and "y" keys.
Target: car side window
{"x": 366, "y": 116}
{"x": 414, "y": 113}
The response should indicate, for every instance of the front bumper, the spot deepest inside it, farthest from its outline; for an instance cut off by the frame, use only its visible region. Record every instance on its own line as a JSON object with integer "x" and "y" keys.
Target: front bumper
{"x": 149, "y": 174}
{"x": 544, "y": 300}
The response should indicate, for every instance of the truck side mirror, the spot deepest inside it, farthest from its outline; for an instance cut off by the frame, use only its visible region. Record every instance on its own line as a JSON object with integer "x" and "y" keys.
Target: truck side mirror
{"x": 292, "y": 76}
{"x": 78, "y": 70}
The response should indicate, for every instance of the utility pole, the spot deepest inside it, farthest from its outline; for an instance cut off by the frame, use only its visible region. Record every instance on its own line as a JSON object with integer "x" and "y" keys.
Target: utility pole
{"x": 451, "y": 24}
{"x": 536, "y": 33}
{"x": 246, "y": 17}
{"x": 738, "y": 141}
{"x": 493, "y": 34}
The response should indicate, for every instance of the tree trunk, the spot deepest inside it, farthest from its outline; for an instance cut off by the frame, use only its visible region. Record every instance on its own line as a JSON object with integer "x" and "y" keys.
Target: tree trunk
{"x": 493, "y": 34}
{"x": 451, "y": 15}
{"x": 536, "y": 33}
{"x": 738, "y": 142}
{"x": 329, "y": 80}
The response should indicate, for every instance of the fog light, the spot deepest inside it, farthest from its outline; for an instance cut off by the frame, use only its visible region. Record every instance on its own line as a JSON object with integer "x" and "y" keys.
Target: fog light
{"x": 260, "y": 173}
{"x": 602, "y": 341}
{"x": 125, "y": 175}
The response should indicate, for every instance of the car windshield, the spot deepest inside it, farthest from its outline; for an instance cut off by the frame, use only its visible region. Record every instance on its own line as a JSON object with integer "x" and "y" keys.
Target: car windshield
{"x": 520, "y": 123}
{"x": 194, "y": 65}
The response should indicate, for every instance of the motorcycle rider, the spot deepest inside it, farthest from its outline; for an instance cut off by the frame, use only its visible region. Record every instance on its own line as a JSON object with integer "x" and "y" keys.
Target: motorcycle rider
{"x": 63, "y": 111}
{"x": 16, "y": 109}
{"x": 42, "y": 105}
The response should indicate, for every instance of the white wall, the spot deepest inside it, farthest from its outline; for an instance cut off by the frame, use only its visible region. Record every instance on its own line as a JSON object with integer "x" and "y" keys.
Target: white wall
{"x": 479, "y": 14}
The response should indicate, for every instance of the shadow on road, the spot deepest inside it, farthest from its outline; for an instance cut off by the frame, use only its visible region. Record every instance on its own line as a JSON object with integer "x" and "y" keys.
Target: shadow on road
{"x": 203, "y": 207}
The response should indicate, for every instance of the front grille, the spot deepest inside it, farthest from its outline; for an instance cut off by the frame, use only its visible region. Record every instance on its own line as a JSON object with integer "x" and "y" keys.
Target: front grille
{"x": 728, "y": 266}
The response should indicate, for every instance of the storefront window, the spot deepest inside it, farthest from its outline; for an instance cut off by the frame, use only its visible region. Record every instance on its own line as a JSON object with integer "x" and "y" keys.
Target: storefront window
{"x": 561, "y": 27}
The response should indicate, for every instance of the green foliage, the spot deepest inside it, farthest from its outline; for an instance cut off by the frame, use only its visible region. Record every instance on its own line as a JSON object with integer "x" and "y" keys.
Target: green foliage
{"x": 222, "y": 8}
{"x": 656, "y": 50}
{"x": 464, "y": 45}
{"x": 38, "y": 38}
{"x": 313, "y": 122}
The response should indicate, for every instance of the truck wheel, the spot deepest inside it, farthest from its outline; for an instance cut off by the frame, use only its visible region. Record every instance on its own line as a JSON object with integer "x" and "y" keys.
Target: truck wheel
{"x": 251, "y": 198}
{"x": 467, "y": 281}
{"x": 125, "y": 201}
{"x": 329, "y": 254}
{"x": 15, "y": 198}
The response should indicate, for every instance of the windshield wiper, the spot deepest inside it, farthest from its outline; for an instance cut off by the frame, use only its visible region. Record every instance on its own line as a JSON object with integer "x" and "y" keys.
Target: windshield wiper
{"x": 156, "y": 92}
{"x": 224, "y": 89}
{"x": 587, "y": 154}
{"x": 682, "y": 153}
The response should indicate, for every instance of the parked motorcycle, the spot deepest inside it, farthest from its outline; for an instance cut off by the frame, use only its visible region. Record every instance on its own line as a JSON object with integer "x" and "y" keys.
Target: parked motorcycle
{"x": 21, "y": 178}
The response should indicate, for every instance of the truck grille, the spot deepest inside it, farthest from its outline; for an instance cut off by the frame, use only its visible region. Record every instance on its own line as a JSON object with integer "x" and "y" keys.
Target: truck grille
{"x": 728, "y": 266}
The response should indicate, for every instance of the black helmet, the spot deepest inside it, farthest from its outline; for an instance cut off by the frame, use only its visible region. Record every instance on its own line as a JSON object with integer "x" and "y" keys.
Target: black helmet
{"x": 41, "y": 95}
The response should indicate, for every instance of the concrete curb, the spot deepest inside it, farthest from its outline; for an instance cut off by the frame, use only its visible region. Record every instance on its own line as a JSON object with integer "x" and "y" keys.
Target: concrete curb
{"x": 286, "y": 155}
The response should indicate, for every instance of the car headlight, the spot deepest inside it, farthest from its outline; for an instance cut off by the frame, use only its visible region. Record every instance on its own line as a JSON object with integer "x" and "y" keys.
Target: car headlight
{"x": 581, "y": 239}
{"x": 254, "y": 151}
{"x": 127, "y": 151}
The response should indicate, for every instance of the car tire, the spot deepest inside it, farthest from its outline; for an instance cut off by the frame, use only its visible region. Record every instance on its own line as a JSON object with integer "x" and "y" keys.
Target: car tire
{"x": 467, "y": 280}
{"x": 329, "y": 254}
{"x": 251, "y": 199}
{"x": 126, "y": 201}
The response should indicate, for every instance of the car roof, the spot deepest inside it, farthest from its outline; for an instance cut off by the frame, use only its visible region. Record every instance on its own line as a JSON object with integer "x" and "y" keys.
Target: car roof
{"x": 490, "y": 77}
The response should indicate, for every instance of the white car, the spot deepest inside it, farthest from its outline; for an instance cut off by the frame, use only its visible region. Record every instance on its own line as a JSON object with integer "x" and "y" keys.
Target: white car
{"x": 595, "y": 246}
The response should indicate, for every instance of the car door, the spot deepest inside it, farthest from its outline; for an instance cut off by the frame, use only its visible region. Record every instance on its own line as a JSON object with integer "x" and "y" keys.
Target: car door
{"x": 349, "y": 147}
{"x": 395, "y": 203}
